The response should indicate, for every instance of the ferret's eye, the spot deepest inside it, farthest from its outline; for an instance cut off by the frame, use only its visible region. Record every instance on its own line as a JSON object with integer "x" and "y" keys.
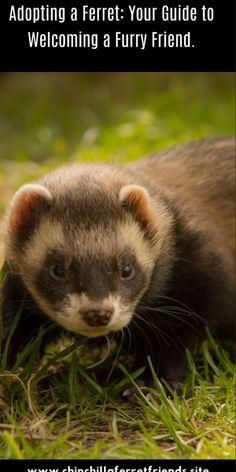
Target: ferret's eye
{"x": 128, "y": 272}
{"x": 58, "y": 272}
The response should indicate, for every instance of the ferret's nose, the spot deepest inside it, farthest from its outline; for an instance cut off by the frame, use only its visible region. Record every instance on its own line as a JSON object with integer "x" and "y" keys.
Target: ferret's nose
{"x": 97, "y": 316}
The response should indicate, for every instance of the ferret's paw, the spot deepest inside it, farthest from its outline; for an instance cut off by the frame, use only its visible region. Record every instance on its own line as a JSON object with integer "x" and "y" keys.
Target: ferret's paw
{"x": 129, "y": 393}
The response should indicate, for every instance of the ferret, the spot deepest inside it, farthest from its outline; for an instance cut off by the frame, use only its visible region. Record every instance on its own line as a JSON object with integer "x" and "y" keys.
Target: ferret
{"x": 143, "y": 250}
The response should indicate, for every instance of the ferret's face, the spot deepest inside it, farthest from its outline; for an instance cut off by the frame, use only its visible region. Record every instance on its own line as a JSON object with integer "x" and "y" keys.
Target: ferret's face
{"x": 86, "y": 262}
{"x": 89, "y": 281}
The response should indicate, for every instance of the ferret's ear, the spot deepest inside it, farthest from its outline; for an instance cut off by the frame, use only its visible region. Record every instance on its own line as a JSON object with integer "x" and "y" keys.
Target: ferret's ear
{"x": 137, "y": 200}
{"x": 25, "y": 206}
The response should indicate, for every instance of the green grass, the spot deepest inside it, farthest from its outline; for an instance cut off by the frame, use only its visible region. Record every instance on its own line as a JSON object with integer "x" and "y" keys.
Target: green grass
{"x": 59, "y": 406}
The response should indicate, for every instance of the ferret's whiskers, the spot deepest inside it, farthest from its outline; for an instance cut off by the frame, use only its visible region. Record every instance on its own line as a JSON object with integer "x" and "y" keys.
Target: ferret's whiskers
{"x": 117, "y": 355}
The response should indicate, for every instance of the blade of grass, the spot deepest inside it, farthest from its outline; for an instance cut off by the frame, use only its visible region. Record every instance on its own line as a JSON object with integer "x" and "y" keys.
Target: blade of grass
{"x": 12, "y": 329}
{"x": 65, "y": 352}
{"x": 3, "y": 271}
{"x": 12, "y": 444}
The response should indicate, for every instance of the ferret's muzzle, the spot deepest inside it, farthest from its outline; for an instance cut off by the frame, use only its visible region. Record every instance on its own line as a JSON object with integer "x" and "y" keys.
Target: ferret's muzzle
{"x": 97, "y": 315}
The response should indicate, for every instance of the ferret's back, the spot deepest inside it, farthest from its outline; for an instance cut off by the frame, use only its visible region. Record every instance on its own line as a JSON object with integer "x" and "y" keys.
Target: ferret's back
{"x": 199, "y": 177}
{"x": 205, "y": 168}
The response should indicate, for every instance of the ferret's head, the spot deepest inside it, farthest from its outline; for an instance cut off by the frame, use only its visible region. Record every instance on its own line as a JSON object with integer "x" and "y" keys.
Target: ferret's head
{"x": 85, "y": 242}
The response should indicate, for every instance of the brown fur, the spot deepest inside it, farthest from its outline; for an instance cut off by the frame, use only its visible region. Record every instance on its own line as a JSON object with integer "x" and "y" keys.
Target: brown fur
{"x": 138, "y": 202}
{"x": 199, "y": 178}
{"x": 170, "y": 215}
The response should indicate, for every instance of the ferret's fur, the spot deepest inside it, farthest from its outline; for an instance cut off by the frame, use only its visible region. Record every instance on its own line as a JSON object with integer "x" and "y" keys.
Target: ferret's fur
{"x": 166, "y": 220}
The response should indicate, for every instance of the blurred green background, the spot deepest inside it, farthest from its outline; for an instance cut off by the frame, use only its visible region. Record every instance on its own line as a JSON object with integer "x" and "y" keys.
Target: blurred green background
{"x": 50, "y": 118}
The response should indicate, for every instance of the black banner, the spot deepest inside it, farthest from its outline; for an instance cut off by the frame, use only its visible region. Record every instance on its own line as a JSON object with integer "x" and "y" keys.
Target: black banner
{"x": 118, "y": 465}
{"x": 88, "y": 35}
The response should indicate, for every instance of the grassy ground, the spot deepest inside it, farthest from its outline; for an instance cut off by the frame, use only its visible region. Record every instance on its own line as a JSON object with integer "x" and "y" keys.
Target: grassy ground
{"x": 59, "y": 407}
